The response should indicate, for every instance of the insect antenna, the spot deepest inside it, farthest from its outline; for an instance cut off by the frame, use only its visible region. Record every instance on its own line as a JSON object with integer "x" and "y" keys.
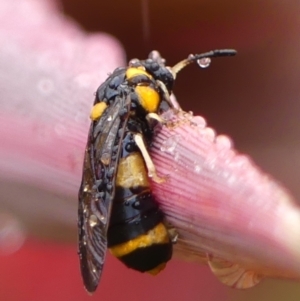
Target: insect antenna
{"x": 201, "y": 59}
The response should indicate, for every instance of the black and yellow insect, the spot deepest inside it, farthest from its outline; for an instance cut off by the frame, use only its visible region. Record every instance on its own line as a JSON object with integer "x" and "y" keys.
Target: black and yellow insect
{"x": 116, "y": 207}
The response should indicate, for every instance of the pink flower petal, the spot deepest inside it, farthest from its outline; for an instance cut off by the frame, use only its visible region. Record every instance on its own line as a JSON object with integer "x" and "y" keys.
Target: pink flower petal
{"x": 49, "y": 70}
{"x": 222, "y": 205}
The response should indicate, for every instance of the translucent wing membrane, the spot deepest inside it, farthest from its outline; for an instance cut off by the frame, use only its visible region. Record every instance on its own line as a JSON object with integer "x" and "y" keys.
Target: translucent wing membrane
{"x": 96, "y": 191}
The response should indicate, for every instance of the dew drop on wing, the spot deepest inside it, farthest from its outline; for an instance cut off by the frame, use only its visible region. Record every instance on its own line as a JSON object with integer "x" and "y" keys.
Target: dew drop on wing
{"x": 136, "y": 204}
{"x": 130, "y": 147}
{"x": 93, "y": 221}
{"x": 109, "y": 187}
{"x": 86, "y": 188}
{"x": 102, "y": 213}
{"x": 84, "y": 239}
{"x": 110, "y": 172}
{"x": 105, "y": 158}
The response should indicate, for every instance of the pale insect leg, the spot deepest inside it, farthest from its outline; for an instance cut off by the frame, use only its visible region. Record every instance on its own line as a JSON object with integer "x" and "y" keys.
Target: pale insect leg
{"x": 138, "y": 138}
{"x": 155, "y": 117}
{"x": 173, "y": 103}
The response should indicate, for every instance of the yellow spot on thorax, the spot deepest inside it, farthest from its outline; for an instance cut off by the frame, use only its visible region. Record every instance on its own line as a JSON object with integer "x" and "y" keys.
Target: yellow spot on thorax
{"x": 136, "y": 71}
{"x": 98, "y": 110}
{"x": 132, "y": 172}
{"x": 148, "y": 97}
{"x": 157, "y": 235}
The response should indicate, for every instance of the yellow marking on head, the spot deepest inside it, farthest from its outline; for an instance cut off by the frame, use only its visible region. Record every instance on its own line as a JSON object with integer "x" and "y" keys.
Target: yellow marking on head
{"x": 136, "y": 71}
{"x": 98, "y": 110}
{"x": 148, "y": 97}
{"x": 132, "y": 172}
{"x": 157, "y": 235}
{"x": 157, "y": 269}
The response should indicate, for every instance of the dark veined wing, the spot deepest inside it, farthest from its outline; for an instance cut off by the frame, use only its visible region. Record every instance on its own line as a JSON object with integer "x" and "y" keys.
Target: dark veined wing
{"x": 97, "y": 189}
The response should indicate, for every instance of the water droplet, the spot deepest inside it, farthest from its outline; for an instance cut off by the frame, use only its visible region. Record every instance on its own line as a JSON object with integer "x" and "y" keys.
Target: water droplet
{"x": 170, "y": 144}
{"x": 103, "y": 219}
{"x": 110, "y": 172}
{"x": 231, "y": 179}
{"x": 45, "y": 86}
{"x": 210, "y": 134}
{"x": 211, "y": 161}
{"x": 240, "y": 161}
{"x": 136, "y": 204}
{"x": 133, "y": 62}
{"x": 12, "y": 234}
{"x": 191, "y": 56}
{"x": 197, "y": 168}
{"x": 105, "y": 158}
{"x": 109, "y": 118}
{"x": 168, "y": 115}
{"x": 156, "y": 56}
{"x": 223, "y": 142}
{"x": 176, "y": 156}
{"x": 173, "y": 235}
{"x": 93, "y": 221}
{"x": 204, "y": 62}
{"x": 200, "y": 122}
{"x": 130, "y": 147}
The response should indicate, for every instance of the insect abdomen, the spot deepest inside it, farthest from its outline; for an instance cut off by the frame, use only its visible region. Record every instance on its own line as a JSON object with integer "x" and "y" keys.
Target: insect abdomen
{"x": 137, "y": 235}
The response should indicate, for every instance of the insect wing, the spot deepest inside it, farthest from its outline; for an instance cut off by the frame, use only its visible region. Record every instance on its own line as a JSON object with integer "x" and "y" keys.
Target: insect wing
{"x": 95, "y": 203}
{"x": 92, "y": 238}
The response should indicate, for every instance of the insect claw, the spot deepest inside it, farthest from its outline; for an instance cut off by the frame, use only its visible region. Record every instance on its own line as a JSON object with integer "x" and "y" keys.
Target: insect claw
{"x": 173, "y": 235}
{"x": 156, "y": 117}
{"x": 157, "y": 179}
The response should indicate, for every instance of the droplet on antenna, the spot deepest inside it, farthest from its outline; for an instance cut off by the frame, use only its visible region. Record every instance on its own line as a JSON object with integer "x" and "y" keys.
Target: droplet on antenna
{"x": 204, "y": 62}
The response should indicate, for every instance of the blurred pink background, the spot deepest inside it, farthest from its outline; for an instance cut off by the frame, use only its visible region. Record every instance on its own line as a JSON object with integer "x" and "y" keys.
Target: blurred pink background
{"x": 254, "y": 98}
{"x": 46, "y": 271}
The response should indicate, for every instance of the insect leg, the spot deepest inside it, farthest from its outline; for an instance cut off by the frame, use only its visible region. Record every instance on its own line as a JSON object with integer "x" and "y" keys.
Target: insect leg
{"x": 155, "y": 117}
{"x": 166, "y": 96}
{"x": 138, "y": 138}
